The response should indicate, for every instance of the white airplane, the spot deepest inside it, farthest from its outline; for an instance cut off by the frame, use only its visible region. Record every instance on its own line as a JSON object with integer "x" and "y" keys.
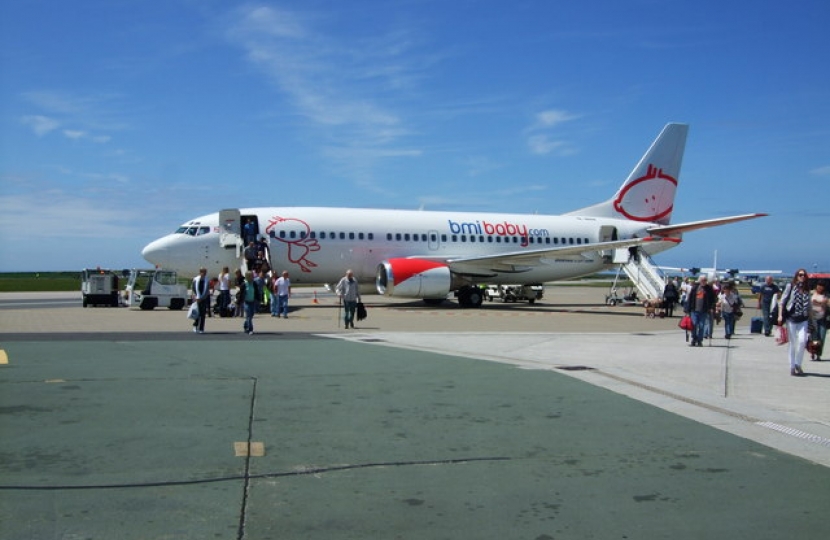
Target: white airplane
{"x": 428, "y": 255}
{"x": 714, "y": 272}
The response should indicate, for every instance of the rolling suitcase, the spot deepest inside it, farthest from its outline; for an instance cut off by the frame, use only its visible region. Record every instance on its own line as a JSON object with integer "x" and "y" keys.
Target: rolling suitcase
{"x": 756, "y": 326}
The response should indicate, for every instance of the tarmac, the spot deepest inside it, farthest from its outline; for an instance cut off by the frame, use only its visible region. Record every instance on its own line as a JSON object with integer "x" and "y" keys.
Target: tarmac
{"x": 566, "y": 419}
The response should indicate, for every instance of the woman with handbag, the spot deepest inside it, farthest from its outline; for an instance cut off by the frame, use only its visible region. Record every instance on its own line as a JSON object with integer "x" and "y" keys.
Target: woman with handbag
{"x": 794, "y": 310}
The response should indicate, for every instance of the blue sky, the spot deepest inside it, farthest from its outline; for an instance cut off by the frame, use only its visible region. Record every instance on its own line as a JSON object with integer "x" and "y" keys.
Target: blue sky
{"x": 121, "y": 119}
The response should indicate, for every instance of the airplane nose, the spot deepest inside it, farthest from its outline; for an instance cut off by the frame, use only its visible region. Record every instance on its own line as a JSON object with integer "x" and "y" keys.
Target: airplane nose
{"x": 156, "y": 252}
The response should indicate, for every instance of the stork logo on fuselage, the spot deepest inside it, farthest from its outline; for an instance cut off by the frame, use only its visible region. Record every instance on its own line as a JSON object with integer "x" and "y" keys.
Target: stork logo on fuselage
{"x": 648, "y": 198}
{"x": 300, "y": 243}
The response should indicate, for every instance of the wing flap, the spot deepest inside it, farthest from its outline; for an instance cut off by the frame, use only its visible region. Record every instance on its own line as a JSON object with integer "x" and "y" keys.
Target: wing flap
{"x": 524, "y": 261}
{"x": 680, "y": 228}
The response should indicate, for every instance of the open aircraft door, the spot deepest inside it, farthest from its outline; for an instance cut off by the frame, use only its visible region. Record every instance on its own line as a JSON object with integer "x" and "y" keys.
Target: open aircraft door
{"x": 608, "y": 233}
{"x": 230, "y": 227}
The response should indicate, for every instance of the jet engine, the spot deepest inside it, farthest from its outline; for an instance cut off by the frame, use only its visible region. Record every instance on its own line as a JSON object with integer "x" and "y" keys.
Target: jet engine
{"x": 414, "y": 278}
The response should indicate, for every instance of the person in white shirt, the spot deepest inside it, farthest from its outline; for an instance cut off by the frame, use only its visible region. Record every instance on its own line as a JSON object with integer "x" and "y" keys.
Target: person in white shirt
{"x": 282, "y": 290}
{"x": 349, "y": 292}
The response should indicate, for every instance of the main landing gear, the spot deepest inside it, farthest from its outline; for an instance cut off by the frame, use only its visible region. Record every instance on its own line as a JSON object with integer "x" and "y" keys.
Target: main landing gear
{"x": 470, "y": 296}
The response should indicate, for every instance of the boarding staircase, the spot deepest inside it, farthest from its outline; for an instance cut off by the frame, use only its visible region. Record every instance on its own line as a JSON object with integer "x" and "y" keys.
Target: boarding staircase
{"x": 645, "y": 275}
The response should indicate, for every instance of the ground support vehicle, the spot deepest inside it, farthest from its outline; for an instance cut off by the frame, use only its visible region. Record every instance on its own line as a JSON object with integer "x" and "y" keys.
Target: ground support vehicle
{"x": 99, "y": 287}
{"x": 148, "y": 289}
{"x": 628, "y": 298}
{"x": 514, "y": 293}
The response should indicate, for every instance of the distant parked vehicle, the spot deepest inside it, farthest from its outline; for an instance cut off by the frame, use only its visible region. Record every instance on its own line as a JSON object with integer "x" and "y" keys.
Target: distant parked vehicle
{"x": 514, "y": 293}
{"x": 99, "y": 287}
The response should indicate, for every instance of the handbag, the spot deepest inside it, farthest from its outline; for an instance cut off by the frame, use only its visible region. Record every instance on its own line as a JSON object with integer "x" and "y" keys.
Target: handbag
{"x": 193, "y": 312}
{"x": 783, "y": 335}
{"x": 686, "y": 323}
{"x": 361, "y": 311}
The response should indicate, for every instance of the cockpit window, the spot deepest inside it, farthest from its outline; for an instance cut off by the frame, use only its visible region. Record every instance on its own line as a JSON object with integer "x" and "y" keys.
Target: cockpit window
{"x": 193, "y": 229}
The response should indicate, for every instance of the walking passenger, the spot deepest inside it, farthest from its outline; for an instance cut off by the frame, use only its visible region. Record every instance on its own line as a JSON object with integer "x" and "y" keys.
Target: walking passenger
{"x": 700, "y": 303}
{"x": 768, "y": 291}
{"x": 819, "y": 303}
{"x": 349, "y": 292}
{"x": 251, "y": 294}
{"x": 282, "y": 290}
{"x": 794, "y": 310}
{"x": 201, "y": 295}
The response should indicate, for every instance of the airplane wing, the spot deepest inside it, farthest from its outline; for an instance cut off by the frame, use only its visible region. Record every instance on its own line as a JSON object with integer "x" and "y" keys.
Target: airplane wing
{"x": 680, "y": 228}
{"x": 524, "y": 261}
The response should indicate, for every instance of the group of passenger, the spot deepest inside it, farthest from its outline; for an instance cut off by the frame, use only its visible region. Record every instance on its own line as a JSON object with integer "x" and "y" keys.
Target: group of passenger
{"x": 256, "y": 288}
{"x": 801, "y": 313}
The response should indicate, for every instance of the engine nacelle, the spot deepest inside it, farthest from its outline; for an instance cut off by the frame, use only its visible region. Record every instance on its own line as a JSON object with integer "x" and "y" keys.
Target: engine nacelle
{"x": 413, "y": 278}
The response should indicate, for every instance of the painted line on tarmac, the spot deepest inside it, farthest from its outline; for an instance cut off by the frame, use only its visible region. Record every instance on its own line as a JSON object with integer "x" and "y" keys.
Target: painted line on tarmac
{"x": 797, "y": 433}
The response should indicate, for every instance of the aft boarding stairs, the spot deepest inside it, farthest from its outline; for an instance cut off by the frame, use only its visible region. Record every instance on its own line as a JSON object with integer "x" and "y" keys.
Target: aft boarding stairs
{"x": 645, "y": 275}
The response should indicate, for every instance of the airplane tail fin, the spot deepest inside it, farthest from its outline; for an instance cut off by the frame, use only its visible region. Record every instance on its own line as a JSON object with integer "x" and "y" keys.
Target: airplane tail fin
{"x": 647, "y": 194}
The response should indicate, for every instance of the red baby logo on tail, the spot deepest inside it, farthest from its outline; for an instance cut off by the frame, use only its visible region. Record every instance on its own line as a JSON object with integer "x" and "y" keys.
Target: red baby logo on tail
{"x": 648, "y": 198}
{"x": 298, "y": 247}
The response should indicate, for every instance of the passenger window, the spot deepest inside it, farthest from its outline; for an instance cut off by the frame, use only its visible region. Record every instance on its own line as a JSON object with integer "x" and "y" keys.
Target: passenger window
{"x": 389, "y": 236}
{"x": 398, "y": 237}
{"x": 371, "y": 236}
{"x": 406, "y": 237}
{"x": 351, "y": 236}
{"x": 342, "y": 236}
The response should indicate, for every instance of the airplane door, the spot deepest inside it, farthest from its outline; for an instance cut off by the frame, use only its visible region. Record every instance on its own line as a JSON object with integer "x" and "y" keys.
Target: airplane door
{"x": 433, "y": 241}
{"x": 230, "y": 227}
{"x": 608, "y": 233}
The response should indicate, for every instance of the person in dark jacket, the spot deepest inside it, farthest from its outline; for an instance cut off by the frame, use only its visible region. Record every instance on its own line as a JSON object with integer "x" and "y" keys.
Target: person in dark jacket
{"x": 699, "y": 304}
{"x": 251, "y": 294}
{"x": 670, "y": 297}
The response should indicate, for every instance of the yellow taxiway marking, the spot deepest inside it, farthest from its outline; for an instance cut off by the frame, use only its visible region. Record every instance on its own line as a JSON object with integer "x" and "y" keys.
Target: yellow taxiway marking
{"x": 241, "y": 449}
{"x": 4, "y": 358}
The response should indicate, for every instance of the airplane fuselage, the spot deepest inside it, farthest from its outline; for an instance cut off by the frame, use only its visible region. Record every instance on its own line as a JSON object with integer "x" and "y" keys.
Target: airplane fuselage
{"x": 317, "y": 245}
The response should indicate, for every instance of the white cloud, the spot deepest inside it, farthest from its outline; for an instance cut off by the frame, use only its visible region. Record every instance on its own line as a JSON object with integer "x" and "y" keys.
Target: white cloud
{"x": 74, "y": 134}
{"x": 336, "y": 85}
{"x": 539, "y": 139}
{"x": 41, "y": 125}
{"x": 553, "y": 117}
{"x": 821, "y": 171}
{"x": 85, "y": 116}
